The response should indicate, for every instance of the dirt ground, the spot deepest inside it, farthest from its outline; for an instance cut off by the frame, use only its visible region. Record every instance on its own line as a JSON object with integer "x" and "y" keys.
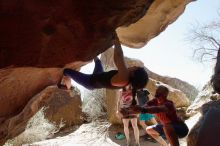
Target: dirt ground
{"x": 113, "y": 130}
{"x": 101, "y": 133}
{"x": 96, "y": 134}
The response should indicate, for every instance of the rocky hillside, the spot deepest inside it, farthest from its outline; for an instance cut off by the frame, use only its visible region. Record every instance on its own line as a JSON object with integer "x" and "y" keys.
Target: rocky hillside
{"x": 187, "y": 88}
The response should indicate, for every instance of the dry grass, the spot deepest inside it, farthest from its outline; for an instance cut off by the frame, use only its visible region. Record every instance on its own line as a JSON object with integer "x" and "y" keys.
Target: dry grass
{"x": 38, "y": 128}
{"x": 93, "y": 104}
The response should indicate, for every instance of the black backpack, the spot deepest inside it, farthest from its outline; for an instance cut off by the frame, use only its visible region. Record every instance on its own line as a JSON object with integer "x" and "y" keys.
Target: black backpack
{"x": 142, "y": 96}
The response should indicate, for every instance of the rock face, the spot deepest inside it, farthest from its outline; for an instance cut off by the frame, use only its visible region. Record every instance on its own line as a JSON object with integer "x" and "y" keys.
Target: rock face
{"x": 158, "y": 17}
{"x": 205, "y": 96}
{"x": 185, "y": 87}
{"x": 209, "y": 126}
{"x": 68, "y": 110}
{"x": 216, "y": 76}
{"x": 178, "y": 97}
{"x": 206, "y": 132}
{"x": 208, "y": 104}
{"x": 55, "y": 33}
{"x": 63, "y": 106}
{"x": 19, "y": 85}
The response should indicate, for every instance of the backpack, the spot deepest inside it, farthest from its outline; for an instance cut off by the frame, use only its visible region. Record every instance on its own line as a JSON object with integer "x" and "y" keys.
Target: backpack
{"x": 142, "y": 96}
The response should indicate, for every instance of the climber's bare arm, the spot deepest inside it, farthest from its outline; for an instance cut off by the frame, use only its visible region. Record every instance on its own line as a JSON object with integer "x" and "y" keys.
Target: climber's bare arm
{"x": 122, "y": 77}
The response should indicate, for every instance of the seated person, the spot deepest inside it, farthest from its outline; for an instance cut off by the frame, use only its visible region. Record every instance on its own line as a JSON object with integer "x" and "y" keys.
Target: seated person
{"x": 124, "y": 102}
{"x": 171, "y": 125}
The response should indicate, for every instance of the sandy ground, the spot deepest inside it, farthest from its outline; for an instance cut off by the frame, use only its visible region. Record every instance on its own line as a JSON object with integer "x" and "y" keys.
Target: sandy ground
{"x": 93, "y": 134}
{"x": 101, "y": 134}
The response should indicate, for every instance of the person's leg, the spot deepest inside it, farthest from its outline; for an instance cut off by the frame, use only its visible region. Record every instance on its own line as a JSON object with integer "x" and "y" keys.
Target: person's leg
{"x": 153, "y": 131}
{"x": 126, "y": 130}
{"x": 98, "y": 66}
{"x": 181, "y": 129}
{"x": 149, "y": 118}
{"x": 136, "y": 130}
{"x": 171, "y": 135}
{"x": 80, "y": 78}
{"x": 153, "y": 121}
{"x": 143, "y": 124}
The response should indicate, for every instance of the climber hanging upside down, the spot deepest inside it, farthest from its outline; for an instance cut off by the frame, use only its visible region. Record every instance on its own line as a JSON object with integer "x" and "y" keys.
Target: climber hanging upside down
{"x": 137, "y": 77}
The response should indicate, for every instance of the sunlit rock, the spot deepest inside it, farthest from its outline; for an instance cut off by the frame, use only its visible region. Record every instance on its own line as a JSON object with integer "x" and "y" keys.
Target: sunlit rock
{"x": 159, "y": 16}
{"x": 204, "y": 96}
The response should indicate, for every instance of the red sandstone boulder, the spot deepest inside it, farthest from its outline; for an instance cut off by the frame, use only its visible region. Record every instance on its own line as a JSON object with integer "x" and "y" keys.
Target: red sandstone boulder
{"x": 49, "y": 33}
{"x": 19, "y": 85}
{"x": 54, "y": 33}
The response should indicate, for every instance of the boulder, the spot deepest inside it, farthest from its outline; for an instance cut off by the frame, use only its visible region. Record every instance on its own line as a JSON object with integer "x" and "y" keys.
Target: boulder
{"x": 204, "y": 96}
{"x": 63, "y": 106}
{"x": 190, "y": 91}
{"x": 210, "y": 126}
{"x": 216, "y": 75}
{"x": 19, "y": 85}
{"x": 55, "y": 33}
{"x": 178, "y": 97}
{"x": 51, "y": 97}
{"x": 156, "y": 20}
{"x": 206, "y": 132}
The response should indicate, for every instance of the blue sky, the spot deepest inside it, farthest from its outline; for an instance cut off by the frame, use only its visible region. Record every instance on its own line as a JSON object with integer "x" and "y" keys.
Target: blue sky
{"x": 170, "y": 54}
